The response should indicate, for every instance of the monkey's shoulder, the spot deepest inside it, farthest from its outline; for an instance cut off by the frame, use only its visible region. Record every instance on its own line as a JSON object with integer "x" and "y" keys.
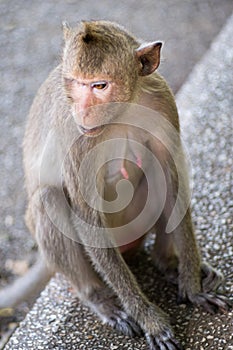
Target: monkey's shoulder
{"x": 158, "y": 96}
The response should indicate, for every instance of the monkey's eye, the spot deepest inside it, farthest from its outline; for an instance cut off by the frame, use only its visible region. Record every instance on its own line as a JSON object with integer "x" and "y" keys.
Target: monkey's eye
{"x": 99, "y": 85}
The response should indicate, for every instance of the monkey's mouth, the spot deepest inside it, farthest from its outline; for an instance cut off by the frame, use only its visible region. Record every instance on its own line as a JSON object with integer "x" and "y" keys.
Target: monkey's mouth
{"x": 91, "y": 132}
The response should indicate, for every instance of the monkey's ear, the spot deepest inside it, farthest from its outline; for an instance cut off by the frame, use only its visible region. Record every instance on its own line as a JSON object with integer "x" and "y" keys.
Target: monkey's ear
{"x": 149, "y": 57}
{"x": 66, "y": 30}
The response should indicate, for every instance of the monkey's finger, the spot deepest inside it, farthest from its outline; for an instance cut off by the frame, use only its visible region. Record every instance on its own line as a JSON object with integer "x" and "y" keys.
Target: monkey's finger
{"x": 136, "y": 329}
{"x": 125, "y": 324}
{"x": 132, "y": 327}
{"x": 164, "y": 341}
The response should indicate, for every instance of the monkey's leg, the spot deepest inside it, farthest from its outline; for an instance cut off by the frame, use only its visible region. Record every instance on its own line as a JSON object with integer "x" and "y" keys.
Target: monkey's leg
{"x": 190, "y": 271}
{"x": 164, "y": 254}
{"x": 190, "y": 267}
{"x": 165, "y": 258}
{"x": 26, "y": 286}
{"x": 67, "y": 256}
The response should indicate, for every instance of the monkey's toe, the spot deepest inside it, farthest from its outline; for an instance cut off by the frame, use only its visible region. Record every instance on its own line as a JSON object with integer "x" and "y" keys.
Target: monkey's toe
{"x": 165, "y": 340}
{"x": 213, "y": 303}
{"x": 211, "y": 278}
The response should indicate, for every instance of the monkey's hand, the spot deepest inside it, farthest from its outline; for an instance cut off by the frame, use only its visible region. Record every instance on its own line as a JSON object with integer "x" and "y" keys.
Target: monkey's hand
{"x": 158, "y": 332}
{"x": 105, "y": 303}
{"x": 212, "y": 302}
{"x": 165, "y": 340}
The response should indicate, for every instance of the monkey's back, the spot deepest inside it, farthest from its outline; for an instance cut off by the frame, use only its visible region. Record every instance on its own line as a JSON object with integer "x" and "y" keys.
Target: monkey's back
{"x": 49, "y": 110}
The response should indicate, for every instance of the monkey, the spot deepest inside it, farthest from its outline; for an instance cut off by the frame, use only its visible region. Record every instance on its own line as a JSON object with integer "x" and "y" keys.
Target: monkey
{"x": 103, "y": 119}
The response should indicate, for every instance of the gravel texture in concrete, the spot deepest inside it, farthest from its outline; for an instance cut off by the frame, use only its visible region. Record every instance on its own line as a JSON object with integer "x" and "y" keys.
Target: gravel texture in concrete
{"x": 58, "y": 321}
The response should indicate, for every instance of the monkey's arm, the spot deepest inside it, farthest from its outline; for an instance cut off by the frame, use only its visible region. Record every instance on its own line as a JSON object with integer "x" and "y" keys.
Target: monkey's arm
{"x": 27, "y": 286}
{"x": 153, "y": 321}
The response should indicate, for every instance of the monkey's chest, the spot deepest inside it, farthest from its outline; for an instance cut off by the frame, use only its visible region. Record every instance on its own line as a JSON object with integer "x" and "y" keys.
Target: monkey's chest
{"x": 125, "y": 188}
{"x": 133, "y": 197}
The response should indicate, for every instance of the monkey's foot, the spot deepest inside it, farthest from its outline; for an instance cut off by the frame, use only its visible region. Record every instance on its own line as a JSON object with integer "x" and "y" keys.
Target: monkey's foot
{"x": 212, "y": 303}
{"x": 165, "y": 340}
{"x": 107, "y": 306}
{"x": 211, "y": 278}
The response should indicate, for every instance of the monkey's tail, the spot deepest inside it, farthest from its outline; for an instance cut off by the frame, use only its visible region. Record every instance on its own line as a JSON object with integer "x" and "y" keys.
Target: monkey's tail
{"x": 27, "y": 286}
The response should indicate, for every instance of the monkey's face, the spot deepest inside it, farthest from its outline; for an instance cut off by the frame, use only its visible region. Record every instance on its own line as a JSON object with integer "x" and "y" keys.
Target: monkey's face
{"x": 93, "y": 102}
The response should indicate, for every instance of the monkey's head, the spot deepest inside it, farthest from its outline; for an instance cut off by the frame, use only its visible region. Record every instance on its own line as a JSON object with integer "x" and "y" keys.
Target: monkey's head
{"x": 102, "y": 64}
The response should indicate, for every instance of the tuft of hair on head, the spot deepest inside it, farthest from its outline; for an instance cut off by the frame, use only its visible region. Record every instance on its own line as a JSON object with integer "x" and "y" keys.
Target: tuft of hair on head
{"x": 87, "y": 38}
{"x": 87, "y": 33}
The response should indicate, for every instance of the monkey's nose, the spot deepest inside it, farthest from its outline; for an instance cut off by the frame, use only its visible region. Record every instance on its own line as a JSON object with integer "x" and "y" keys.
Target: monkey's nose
{"x": 84, "y": 118}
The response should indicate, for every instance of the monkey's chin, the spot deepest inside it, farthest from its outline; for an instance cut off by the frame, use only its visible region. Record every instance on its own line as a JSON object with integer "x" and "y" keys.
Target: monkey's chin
{"x": 91, "y": 132}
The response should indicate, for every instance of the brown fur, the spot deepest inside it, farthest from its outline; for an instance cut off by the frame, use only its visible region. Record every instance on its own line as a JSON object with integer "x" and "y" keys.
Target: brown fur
{"x": 96, "y": 51}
